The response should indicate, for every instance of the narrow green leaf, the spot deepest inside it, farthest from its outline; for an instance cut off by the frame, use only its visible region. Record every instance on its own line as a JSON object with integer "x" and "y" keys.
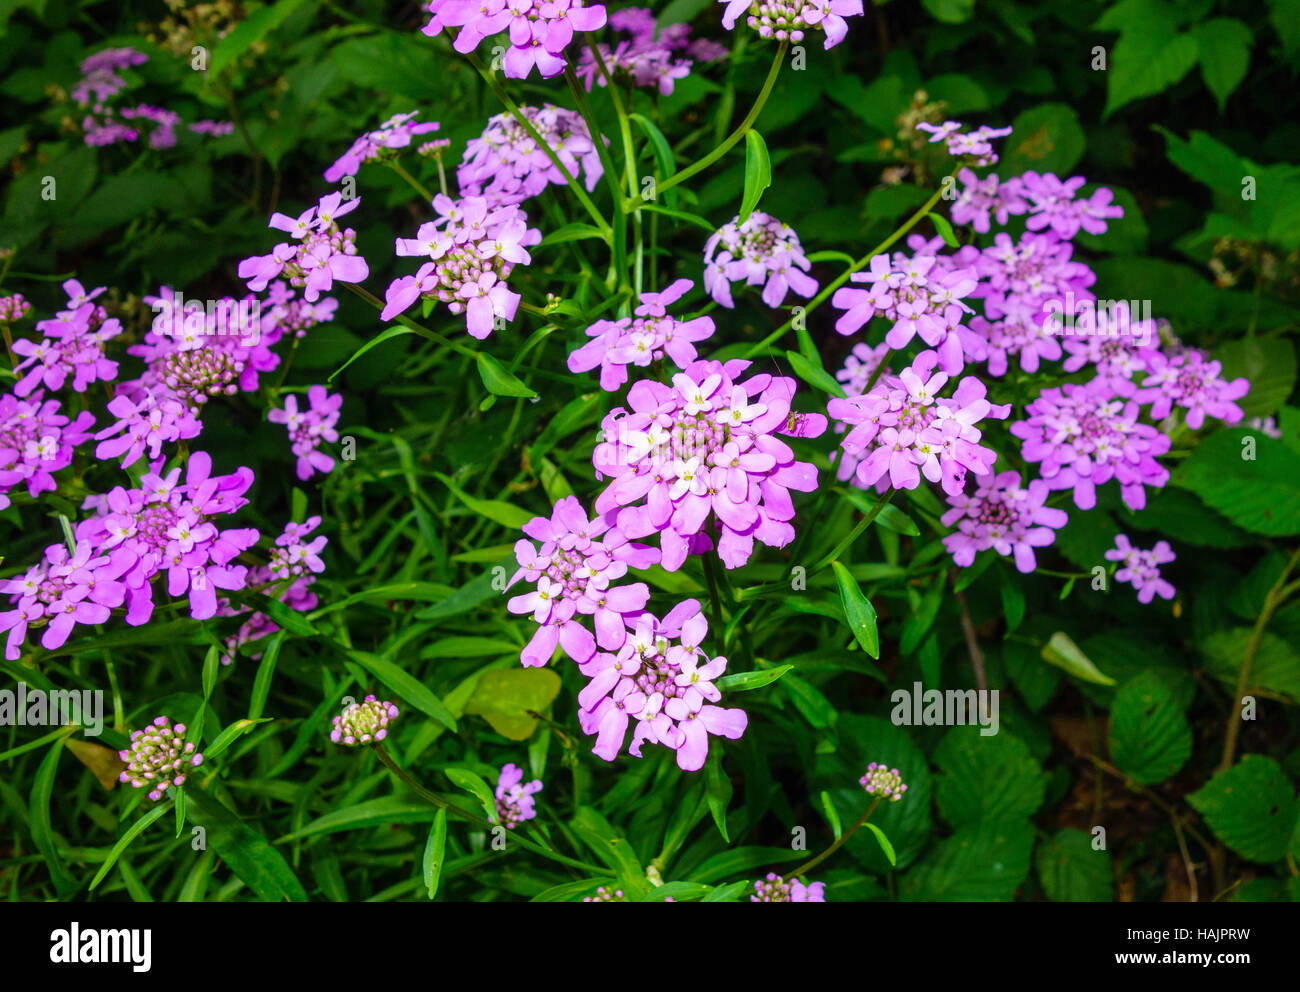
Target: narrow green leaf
{"x": 885, "y": 846}
{"x": 814, "y": 375}
{"x": 465, "y": 779}
{"x": 758, "y": 172}
{"x": 743, "y": 681}
{"x": 434, "y": 851}
{"x": 858, "y": 612}
{"x": 832, "y": 815}
{"x": 498, "y": 381}
{"x": 406, "y": 686}
{"x": 132, "y": 832}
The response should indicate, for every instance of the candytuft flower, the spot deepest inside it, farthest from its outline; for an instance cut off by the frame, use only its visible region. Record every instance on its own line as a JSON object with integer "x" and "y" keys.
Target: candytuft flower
{"x": 159, "y": 756}
{"x": 788, "y": 20}
{"x": 645, "y": 337}
{"x": 515, "y": 802}
{"x": 1142, "y": 568}
{"x": 774, "y": 888}
{"x": 883, "y": 781}
{"x": 666, "y": 687}
{"x": 705, "y": 449}
{"x": 539, "y": 30}
{"x": 391, "y": 136}
{"x": 363, "y": 723}
{"x": 309, "y": 429}
{"x": 904, "y": 430}
{"x": 763, "y": 252}
{"x": 1002, "y": 515}
{"x": 505, "y": 165}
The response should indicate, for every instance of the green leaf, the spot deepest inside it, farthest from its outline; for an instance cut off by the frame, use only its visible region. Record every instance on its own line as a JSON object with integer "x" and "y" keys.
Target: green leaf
{"x": 833, "y": 817}
{"x": 1224, "y": 45}
{"x": 468, "y": 596}
{"x": 498, "y": 381}
{"x": 287, "y": 617}
{"x": 373, "y": 813}
{"x": 1150, "y": 739}
{"x": 434, "y": 850}
{"x": 718, "y": 791}
{"x": 231, "y": 734}
{"x": 465, "y": 779}
{"x": 1070, "y": 870}
{"x": 1275, "y": 669}
{"x": 1065, "y": 654}
{"x": 265, "y": 673}
{"x": 1251, "y": 807}
{"x": 1261, "y": 494}
{"x": 569, "y": 232}
{"x": 612, "y": 848}
{"x": 814, "y": 375}
{"x": 743, "y": 861}
{"x": 858, "y": 612}
{"x": 505, "y": 697}
{"x": 506, "y": 514}
{"x": 945, "y": 230}
{"x": 1046, "y": 138}
{"x": 260, "y": 866}
{"x": 923, "y": 617}
{"x": 248, "y": 32}
{"x": 387, "y": 334}
{"x": 758, "y": 173}
{"x": 663, "y": 153}
{"x": 406, "y": 686}
{"x": 41, "y": 826}
{"x": 132, "y": 832}
{"x": 1269, "y": 364}
{"x": 985, "y": 862}
{"x": 1013, "y": 602}
{"x": 950, "y": 11}
{"x": 985, "y": 779}
{"x": 884, "y": 843}
{"x": 743, "y": 681}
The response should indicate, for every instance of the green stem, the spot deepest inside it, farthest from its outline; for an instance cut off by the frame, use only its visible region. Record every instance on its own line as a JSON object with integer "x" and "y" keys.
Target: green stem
{"x": 862, "y": 525}
{"x": 618, "y": 241}
{"x": 807, "y": 865}
{"x": 574, "y": 186}
{"x": 412, "y": 181}
{"x": 731, "y": 139}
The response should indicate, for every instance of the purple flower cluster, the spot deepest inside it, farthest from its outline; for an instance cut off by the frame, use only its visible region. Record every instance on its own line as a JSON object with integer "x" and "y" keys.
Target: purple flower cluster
{"x": 394, "y": 134}
{"x": 975, "y": 145}
{"x": 1142, "y": 568}
{"x": 923, "y": 295}
{"x": 883, "y": 781}
{"x": 647, "y": 336}
{"x": 310, "y": 428}
{"x": 474, "y": 247}
{"x": 903, "y": 429}
{"x": 322, "y": 253}
{"x": 1050, "y": 202}
{"x": 787, "y": 20}
{"x": 575, "y": 570}
{"x": 760, "y": 250}
{"x": 72, "y": 346}
{"x": 505, "y": 166}
{"x": 539, "y": 30}
{"x": 774, "y": 888}
{"x": 36, "y": 440}
{"x": 159, "y": 756}
{"x": 704, "y": 448}
{"x": 1192, "y": 381}
{"x": 13, "y": 308}
{"x": 666, "y": 687}
{"x": 514, "y": 797}
{"x": 1004, "y": 516}
{"x": 363, "y": 723}
{"x": 1085, "y": 436}
{"x": 647, "y": 58}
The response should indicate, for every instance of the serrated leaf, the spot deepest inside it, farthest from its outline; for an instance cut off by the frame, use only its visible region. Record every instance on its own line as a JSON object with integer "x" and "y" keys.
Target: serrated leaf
{"x": 1071, "y": 871}
{"x": 1150, "y": 739}
{"x": 1261, "y": 494}
{"x": 982, "y": 863}
{"x": 1224, "y": 46}
{"x": 985, "y": 778}
{"x": 1251, "y": 807}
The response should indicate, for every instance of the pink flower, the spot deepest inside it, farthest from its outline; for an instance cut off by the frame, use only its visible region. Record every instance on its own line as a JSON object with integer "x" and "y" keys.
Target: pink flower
{"x": 1003, "y": 516}
{"x": 645, "y": 337}
{"x": 763, "y": 252}
{"x": 515, "y": 802}
{"x": 665, "y": 687}
{"x": 505, "y": 166}
{"x": 1053, "y": 203}
{"x": 1192, "y": 381}
{"x": 903, "y": 429}
{"x": 539, "y": 30}
{"x": 786, "y": 20}
{"x": 391, "y": 136}
{"x": 705, "y": 448}
{"x": 1085, "y": 436}
{"x": 310, "y": 428}
{"x": 1142, "y": 568}
{"x": 576, "y": 569}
